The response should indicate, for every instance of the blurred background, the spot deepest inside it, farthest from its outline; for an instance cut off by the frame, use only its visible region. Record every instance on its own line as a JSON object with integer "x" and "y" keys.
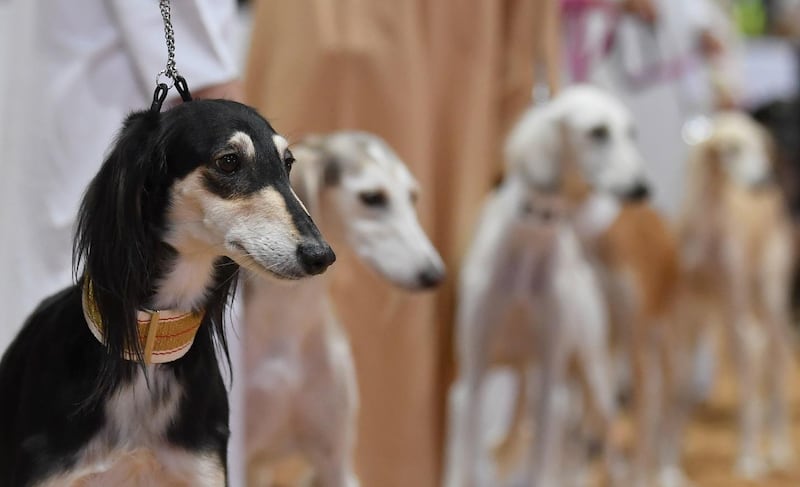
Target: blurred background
{"x": 441, "y": 81}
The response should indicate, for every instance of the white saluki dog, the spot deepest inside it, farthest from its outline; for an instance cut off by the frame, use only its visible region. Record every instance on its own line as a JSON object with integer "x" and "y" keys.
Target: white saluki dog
{"x": 301, "y": 386}
{"x": 527, "y": 293}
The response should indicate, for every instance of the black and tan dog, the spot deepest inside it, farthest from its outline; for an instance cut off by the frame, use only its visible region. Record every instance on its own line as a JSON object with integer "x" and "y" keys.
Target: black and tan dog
{"x": 101, "y": 389}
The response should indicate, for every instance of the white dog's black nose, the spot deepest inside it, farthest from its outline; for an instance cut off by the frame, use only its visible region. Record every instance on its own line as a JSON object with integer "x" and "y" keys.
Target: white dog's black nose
{"x": 430, "y": 278}
{"x": 639, "y": 192}
{"x": 315, "y": 257}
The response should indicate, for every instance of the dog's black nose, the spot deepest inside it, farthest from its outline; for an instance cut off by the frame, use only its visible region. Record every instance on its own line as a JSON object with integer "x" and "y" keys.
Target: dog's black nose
{"x": 430, "y": 278}
{"x": 315, "y": 257}
{"x": 639, "y": 192}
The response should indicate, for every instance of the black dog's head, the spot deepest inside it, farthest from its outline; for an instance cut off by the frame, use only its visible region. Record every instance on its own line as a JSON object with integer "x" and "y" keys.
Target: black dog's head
{"x": 231, "y": 193}
{"x": 208, "y": 177}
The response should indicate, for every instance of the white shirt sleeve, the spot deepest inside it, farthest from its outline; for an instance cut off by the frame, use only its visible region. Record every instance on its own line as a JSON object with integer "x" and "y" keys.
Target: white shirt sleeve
{"x": 204, "y": 38}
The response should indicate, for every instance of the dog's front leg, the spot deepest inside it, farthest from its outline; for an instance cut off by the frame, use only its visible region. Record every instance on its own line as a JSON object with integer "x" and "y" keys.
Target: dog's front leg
{"x": 269, "y": 392}
{"x": 550, "y": 405}
{"x": 334, "y": 469}
{"x": 677, "y": 366}
{"x": 746, "y": 343}
{"x": 467, "y": 465}
{"x": 506, "y": 449}
{"x": 648, "y": 387}
{"x": 775, "y": 296}
{"x": 599, "y": 389}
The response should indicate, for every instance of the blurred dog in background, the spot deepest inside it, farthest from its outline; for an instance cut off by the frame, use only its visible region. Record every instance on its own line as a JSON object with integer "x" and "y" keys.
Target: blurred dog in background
{"x": 528, "y": 296}
{"x": 737, "y": 245}
{"x": 301, "y": 391}
{"x": 635, "y": 255}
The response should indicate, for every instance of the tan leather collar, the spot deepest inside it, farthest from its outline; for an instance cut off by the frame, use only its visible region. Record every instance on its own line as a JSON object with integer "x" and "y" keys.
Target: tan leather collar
{"x": 164, "y": 336}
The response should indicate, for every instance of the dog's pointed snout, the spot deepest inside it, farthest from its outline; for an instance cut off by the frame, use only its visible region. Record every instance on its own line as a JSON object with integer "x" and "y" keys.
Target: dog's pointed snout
{"x": 639, "y": 192}
{"x": 430, "y": 277}
{"x": 315, "y": 257}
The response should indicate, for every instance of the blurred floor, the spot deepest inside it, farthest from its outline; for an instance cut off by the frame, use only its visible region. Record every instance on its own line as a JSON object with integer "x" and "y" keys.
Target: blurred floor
{"x": 713, "y": 440}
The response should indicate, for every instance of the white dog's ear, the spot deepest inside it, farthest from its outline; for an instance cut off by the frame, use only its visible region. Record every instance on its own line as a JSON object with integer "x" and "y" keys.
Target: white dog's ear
{"x": 305, "y": 177}
{"x": 533, "y": 149}
{"x": 572, "y": 182}
{"x": 315, "y": 170}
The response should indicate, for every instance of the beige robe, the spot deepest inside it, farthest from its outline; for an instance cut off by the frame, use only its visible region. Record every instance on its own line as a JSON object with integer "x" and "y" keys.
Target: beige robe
{"x": 440, "y": 81}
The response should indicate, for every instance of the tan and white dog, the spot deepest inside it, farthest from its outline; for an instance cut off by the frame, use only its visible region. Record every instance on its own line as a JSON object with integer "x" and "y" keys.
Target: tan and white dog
{"x": 301, "y": 392}
{"x": 635, "y": 255}
{"x": 528, "y": 296}
{"x": 737, "y": 244}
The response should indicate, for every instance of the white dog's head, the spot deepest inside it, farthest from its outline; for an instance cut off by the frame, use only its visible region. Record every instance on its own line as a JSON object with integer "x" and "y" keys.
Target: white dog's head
{"x": 601, "y": 137}
{"x": 738, "y": 150}
{"x": 357, "y": 187}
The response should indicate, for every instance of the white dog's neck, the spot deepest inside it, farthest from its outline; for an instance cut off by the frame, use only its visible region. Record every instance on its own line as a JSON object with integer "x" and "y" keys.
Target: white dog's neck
{"x": 596, "y": 215}
{"x": 283, "y": 316}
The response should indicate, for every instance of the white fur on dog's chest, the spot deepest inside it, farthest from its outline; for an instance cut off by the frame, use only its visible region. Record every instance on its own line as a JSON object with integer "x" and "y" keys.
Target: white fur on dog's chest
{"x": 596, "y": 214}
{"x": 131, "y": 447}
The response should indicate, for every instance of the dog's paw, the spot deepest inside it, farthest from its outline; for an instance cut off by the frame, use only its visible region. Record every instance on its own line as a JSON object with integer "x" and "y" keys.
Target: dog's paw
{"x": 781, "y": 453}
{"x": 751, "y": 467}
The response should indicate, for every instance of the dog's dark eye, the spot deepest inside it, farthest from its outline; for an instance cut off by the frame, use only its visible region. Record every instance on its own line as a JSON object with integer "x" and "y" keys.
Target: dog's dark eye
{"x": 228, "y": 163}
{"x": 413, "y": 196}
{"x": 599, "y": 133}
{"x": 288, "y": 159}
{"x": 373, "y": 198}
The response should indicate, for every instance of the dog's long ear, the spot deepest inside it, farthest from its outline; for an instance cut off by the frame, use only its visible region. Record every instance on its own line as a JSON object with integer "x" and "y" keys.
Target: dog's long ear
{"x": 533, "y": 148}
{"x": 314, "y": 171}
{"x": 117, "y": 229}
{"x": 573, "y": 184}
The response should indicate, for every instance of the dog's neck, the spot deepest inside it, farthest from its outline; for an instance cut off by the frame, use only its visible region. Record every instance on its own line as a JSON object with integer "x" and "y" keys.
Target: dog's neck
{"x": 186, "y": 281}
{"x": 174, "y": 309}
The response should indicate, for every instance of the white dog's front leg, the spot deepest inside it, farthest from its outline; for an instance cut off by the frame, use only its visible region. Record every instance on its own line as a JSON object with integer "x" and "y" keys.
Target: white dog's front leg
{"x": 332, "y": 469}
{"x": 268, "y": 396}
{"x": 467, "y": 464}
{"x": 595, "y": 363}
{"x": 550, "y": 403}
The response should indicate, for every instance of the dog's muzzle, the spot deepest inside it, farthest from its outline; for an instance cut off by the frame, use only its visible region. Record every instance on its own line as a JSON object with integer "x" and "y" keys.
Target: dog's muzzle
{"x": 315, "y": 257}
{"x": 430, "y": 277}
{"x": 639, "y": 192}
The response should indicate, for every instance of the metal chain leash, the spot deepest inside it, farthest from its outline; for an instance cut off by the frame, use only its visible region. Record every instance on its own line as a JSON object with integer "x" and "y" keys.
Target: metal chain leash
{"x": 171, "y": 70}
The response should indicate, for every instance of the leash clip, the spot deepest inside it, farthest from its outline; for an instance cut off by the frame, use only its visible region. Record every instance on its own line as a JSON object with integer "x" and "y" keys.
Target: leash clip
{"x": 159, "y": 95}
{"x": 183, "y": 88}
{"x": 171, "y": 71}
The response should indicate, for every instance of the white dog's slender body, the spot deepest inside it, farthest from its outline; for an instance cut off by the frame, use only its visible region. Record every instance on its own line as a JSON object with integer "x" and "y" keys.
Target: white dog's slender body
{"x": 301, "y": 386}
{"x": 581, "y": 142}
{"x": 301, "y": 389}
{"x": 737, "y": 242}
{"x": 527, "y": 296}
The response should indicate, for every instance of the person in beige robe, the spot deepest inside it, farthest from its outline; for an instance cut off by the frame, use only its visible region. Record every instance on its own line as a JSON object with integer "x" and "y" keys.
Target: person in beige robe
{"x": 441, "y": 81}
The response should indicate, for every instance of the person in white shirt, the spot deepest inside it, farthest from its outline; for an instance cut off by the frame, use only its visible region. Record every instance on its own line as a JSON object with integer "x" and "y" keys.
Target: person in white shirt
{"x": 74, "y": 70}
